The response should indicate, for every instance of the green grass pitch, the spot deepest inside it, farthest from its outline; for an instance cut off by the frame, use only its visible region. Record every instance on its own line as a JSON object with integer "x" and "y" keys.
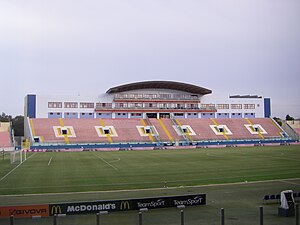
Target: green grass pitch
{"x": 57, "y": 172}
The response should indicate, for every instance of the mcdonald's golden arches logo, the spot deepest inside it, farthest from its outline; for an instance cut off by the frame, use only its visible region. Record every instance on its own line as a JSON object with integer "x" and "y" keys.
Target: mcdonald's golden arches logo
{"x": 56, "y": 209}
{"x": 124, "y": 205}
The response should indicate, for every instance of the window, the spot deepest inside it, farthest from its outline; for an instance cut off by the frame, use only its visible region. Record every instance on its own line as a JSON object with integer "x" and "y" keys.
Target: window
{"x": 71, "y": 105}
{"x": 89, "y": 105}
{"x": 208, "y": 105}
{"x": 106, "y": 130}
{"x": 223, "y": 106}
{"x": 185, "y": 130}
{"x": 178, "y": 114}
{"x": 249, "y": 106}
{"x": 54, "y": 104}
{"x": 103, "y": 105}
{"x": 136, "y": 114}
{"x": 236, "y": 106}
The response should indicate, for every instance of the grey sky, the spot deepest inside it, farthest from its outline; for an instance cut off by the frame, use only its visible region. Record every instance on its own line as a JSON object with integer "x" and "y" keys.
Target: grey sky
{"x": 88, "y": 46}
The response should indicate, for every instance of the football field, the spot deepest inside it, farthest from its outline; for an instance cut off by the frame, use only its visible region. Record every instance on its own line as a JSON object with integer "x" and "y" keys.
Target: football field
{"x": 233, "y": 178}
{"x": 59, "y": 172}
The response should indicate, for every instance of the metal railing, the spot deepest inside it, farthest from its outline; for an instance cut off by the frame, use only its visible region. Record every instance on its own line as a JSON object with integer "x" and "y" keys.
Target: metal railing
{"x": 57, "y": 219}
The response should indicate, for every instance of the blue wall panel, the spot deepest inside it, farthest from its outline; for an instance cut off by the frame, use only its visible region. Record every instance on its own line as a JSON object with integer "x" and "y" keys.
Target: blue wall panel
{"x": 86, "y": 115}
{"x": 267, "y": 107}
{"x": 207, "y": 115}
{"x": 54, "y": 115}
{"x": 104, "y": 115}
{"x": 236, "y": 115}
{"x": 222, "y": 115}
{"x": 31, "y": 106}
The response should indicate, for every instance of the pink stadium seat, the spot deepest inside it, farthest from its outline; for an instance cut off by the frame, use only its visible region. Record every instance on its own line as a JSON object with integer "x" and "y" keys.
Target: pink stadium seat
{"x": 169, "y": 126}
{"x": 5, "y": 139}
{"x": 127, "y": 131}
{"x": 297, "y": 130}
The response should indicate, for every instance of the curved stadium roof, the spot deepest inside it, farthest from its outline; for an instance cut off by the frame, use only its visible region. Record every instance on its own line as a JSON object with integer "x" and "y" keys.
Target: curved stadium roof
{"x": 160, "y": 85}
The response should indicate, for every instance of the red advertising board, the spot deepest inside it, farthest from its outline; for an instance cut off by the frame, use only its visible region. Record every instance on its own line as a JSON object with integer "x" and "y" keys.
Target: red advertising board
{"x": 24, "y": 211}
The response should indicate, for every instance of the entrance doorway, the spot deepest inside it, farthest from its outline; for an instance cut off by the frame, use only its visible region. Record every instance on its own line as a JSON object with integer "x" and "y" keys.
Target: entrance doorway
{"x": 164, "y": 115}
{"x": 151, "y": 115}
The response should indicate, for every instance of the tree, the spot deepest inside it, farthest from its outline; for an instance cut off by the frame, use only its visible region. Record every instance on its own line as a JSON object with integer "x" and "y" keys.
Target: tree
{"x": 278, "y": 120}
{"x": 18, "y": 125}
{"x": 288, "y": 117}
{"x": 5, "y": 118}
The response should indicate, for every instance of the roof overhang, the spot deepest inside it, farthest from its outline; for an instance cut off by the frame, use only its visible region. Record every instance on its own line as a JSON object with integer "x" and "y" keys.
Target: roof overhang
{"x": 173, "y": 85}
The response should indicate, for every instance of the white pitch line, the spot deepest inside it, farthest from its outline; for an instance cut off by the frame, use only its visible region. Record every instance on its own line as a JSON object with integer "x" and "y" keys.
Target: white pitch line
{"x": 49, "y": 161}
{"x": 287, "y": 182}
{"x": 106, "y": 162}
{"x": 117, "y": 160}
{"x": 15, "y": 168}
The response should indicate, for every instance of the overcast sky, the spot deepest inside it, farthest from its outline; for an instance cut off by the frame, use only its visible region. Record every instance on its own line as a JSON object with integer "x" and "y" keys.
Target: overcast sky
{"x": 87, "y": 46}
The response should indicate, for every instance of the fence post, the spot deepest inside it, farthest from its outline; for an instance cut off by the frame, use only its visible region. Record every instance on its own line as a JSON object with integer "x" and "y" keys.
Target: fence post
{"x": 11, "y": 219}
{"x": 140, "y": 218}
{"x": 222, "y": 216}
{"x": 297, "y": 213}
{"x": 98, "y": 219}
{"x": 181, "y": 207}
{"x": 182, "y": 217}
{"x": 261, "y": 215}
{"x": 55, "y": 219}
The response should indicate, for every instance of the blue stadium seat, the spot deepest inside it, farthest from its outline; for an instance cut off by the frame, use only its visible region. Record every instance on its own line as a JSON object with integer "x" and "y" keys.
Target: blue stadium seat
{"x": 266, "y": 197}
{"x": 272, "y": 197}
{"x": 295, "y": 195}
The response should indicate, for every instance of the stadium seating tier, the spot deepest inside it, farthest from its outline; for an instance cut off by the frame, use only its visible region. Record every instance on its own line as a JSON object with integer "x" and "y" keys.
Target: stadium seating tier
{"x": 128, "y": 130}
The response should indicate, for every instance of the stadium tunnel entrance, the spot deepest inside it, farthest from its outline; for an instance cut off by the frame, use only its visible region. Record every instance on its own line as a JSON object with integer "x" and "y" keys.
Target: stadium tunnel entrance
{"x": 164, "y": 115}
{"x": 151, "y": 115}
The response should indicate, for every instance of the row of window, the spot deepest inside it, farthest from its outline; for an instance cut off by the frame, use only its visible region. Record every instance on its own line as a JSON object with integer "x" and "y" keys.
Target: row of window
{"x": 140, "y": 115}
{"x": 155, "y": 96}
{"x": 88, "y": 105}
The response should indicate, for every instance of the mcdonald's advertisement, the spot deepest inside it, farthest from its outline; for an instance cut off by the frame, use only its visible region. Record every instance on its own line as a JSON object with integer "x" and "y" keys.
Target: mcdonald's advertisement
{"x": 124, "y": 205}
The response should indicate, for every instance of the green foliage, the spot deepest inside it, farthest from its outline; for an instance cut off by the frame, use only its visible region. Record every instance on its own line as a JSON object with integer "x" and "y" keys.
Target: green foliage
{"x": 288, "y": 117}
{"x": 5, "y": 118}
{"x": 278, "y": 120}
{"x": 18, "y": 125}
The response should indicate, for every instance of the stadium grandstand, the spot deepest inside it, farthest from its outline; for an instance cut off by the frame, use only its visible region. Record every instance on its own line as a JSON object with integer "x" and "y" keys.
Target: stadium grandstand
{"x": 6, "y": 137}
{"x": 150, "y": 114}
